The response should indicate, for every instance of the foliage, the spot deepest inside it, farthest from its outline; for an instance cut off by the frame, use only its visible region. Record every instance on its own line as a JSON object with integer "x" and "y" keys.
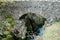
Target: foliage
{"x": 8, "y": 24}
{"x": 33, "y": 23}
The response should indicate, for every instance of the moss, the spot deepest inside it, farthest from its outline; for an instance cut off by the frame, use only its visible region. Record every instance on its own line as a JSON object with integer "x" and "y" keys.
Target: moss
{"x": 10, "y": 16}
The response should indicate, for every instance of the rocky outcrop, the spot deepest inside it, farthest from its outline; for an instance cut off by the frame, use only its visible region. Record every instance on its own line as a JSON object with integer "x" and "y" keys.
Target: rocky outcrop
{"x": 49, "y": 10}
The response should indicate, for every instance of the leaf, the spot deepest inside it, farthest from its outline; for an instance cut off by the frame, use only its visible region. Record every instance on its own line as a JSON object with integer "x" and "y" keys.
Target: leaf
{"x": 6, "y": 32}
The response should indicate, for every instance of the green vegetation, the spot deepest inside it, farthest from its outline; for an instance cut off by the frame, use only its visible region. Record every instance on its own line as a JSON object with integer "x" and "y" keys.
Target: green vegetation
{"x": 33, "y": 23}
{"x": 8, "y": 24}
{"x": 7, "y": 30}
{"x": 6, "y": 0}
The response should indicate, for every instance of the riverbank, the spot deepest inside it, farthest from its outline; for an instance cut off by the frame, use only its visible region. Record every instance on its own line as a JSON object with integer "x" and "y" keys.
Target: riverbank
{"x": 52, "y": 32}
